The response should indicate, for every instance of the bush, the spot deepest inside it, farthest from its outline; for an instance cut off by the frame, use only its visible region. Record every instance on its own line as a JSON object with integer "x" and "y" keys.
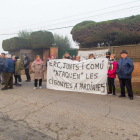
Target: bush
{"x": 16, "y": 43}
{"x": 41, "y": 39}
{"x": 114, "y": 32}
{"x": 37, "y": 40}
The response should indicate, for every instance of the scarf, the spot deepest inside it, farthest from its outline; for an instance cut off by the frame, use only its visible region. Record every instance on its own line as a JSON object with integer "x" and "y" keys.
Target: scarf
{"x": 110, "y": 64}
{"x": 38, "y": 61}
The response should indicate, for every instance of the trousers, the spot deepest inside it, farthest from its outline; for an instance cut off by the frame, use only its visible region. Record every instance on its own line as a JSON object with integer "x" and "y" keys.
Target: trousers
{"x": 36, "y": 82}
{"x": 111, "y": 83}
{"x": 17, "y": 77}
{"x": 27, "y": 74}
{"x": 127, "y": 83}
{"x": 8, "y": 79}
{"x": 2, "y": 77}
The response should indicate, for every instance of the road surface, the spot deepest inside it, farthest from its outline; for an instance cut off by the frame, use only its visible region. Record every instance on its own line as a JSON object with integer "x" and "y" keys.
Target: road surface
{"x": 42, "y": 114}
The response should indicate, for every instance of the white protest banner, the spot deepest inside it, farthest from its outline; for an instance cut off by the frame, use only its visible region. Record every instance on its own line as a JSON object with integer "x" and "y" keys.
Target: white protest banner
{"x": 89, "y": 76}
{"x": 84, "y": 55}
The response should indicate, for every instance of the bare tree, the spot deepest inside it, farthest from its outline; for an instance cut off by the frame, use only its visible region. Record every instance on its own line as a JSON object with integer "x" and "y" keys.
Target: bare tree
{"x": 24, "y": 34}
{"x": 63, "y": 42}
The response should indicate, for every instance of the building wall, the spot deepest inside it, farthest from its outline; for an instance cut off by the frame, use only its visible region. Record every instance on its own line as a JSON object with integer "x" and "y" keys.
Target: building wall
{"x": 16, "y": 53}
{"x": 132, "y": 50}
{"x": 54, "y": 51}
{"x": 31, "y": 53}
{"x": 136, "y": 72}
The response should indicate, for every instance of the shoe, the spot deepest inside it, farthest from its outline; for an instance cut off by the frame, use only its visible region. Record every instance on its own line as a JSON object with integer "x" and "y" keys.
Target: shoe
{"x": 4, "y": 88}
{"x": 34, "y": 87}
{"x": 14, "y": 84}
{"x": 121, "y": 96}
{"x": 18, "y": 85}
{"x": 2, "y": 83}
{"x": 10, "y": 87}
{"x": 114, "y": 94}
{"x": 28, "y": 81}
{"x": 40, "y": 87}
{"x": 109, "y": 93}
{"x": 131, "y": 98}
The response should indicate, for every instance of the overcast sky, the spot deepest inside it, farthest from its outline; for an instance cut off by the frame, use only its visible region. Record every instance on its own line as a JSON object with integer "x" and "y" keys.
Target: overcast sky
{"x": 16, "y": 15}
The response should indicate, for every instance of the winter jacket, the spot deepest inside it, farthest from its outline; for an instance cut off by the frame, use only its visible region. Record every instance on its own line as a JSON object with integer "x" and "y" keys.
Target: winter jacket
{"x": 2, "y": 62}
{"x": 18, "y": 67}
{"x": 112, "y": 71}
{"x": 26, "y": 62}
{"x": 9, "y": 66}
{"x": 38, "y": 70}
{"x": 125, "y": 68}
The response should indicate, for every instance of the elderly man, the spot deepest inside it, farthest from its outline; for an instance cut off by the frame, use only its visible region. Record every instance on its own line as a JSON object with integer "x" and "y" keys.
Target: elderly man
{"x": 2, "y": 62}
{"x": 8, "y": 72}
{"x": 125, "y": 68}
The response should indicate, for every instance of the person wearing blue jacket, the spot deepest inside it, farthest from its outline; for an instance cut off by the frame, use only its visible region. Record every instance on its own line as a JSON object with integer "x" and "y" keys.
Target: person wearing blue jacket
{"x": 2, "y": 62}
{"x": 124, "y": 71}
{"x": 9, "y": 68}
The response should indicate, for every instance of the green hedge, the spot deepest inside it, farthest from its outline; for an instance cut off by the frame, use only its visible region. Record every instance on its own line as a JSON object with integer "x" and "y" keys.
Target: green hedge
{"x": 16, "y": 43}
{"x": 37, "y": 40}
{"x": 41, "y": 39}
{"x": 114, "y": 32}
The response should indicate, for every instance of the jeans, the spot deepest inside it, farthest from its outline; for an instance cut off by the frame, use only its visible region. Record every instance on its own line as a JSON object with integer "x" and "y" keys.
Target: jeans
{"x": 27, "y": 74}
{"x": 2, "y": 77}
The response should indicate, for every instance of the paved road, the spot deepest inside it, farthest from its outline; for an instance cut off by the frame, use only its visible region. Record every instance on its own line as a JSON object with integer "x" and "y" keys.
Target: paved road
{"x": 27, "y": 114}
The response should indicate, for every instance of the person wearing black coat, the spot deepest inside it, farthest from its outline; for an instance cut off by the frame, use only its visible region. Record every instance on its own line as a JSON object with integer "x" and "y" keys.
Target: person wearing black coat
{"x": 26, "y": 64}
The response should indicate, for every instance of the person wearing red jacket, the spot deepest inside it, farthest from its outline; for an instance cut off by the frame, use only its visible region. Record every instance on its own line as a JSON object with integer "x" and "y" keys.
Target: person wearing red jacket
{"x": 112, "y": 67}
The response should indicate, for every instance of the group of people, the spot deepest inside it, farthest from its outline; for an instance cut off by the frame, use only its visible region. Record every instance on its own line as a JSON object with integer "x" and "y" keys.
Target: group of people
{"x": 10, "y": 66}
{"x": 123, "y": 69}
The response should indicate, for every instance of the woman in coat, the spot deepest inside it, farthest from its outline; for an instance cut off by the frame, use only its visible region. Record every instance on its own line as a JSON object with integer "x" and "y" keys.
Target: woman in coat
{"x": 18, "y": 67}
{"x": 38, "y": 68}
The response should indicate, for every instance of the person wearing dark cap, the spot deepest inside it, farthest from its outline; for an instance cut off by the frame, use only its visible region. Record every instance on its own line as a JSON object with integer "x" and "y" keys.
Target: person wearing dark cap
{"x": 67, "y": 56}
{"x": 26, "y": 64}
{"x": 124, "y": 71}
{"x": 108, "y": 55}
{"x": 2, "y": 62}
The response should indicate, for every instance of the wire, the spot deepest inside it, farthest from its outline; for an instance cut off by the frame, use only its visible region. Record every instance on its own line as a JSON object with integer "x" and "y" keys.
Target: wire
{"x": 47, "y": 29}
{"x": 130, "y": 8}
{"x": 79, "y": 19}
{"x": 73, "y": 15}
